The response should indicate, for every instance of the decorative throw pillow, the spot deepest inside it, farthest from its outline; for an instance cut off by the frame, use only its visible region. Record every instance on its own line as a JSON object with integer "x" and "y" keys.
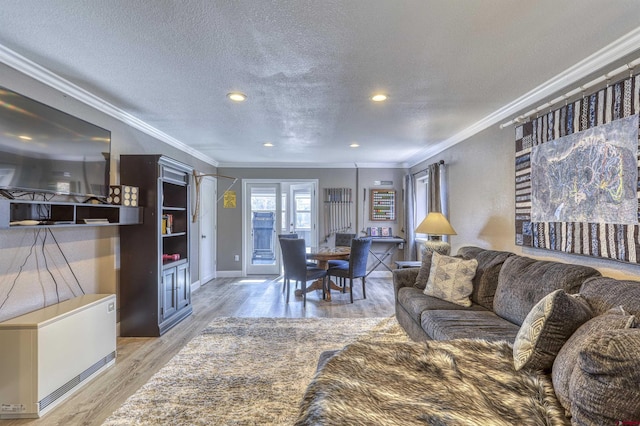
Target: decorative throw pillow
{"x": 425, "y": 268}
{"x": 613, "y": 319}
{"x": 604, "y": 387}
{"x": 450, "y": 279}
{"x": 547, "y": 327}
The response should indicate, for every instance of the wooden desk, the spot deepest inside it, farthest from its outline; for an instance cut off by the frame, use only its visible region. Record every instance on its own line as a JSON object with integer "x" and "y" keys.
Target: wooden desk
{"x": 323, "y": 255}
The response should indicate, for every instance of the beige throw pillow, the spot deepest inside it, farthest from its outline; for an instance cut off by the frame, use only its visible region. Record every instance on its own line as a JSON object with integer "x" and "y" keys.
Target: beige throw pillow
{"x": 450, "y": 279}
{"x": 547, "y": 327}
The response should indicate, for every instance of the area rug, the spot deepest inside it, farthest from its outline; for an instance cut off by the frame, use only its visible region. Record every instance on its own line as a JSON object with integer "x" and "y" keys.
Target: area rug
{"x": 245, "y": 371}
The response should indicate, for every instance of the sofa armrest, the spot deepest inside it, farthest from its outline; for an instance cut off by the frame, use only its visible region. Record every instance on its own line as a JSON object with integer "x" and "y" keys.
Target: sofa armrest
{"x": 405, "y": 277}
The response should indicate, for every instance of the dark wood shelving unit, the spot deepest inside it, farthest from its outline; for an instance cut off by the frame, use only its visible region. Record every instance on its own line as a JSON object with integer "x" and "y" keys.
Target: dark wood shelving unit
{"x": 155, "y": 294}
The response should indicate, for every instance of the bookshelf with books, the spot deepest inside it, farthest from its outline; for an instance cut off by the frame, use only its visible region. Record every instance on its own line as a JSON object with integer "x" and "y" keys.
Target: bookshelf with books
{"x": 155, "y": 283}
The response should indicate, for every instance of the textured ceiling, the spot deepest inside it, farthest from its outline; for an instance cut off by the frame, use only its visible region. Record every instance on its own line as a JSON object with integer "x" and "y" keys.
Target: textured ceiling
{"x": 310, "y": 66}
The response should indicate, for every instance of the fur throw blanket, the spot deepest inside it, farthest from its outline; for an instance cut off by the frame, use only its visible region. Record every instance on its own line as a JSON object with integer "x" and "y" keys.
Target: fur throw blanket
{"x": 457, "y": 382}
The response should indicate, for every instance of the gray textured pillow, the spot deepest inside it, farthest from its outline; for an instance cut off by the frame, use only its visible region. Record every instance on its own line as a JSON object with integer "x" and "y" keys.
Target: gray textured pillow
{"x": 450, "y": 279}
{"x": 613, "y": 319}
{"x": 605, "y": 384}
{"x": 425, "y": 268}
{"x": 546, "y": 328}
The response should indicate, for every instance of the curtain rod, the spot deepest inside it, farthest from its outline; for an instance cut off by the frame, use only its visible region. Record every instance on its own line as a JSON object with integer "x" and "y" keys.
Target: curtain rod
{"x": 427, "y": 168}
{"x": 605, "y": 77}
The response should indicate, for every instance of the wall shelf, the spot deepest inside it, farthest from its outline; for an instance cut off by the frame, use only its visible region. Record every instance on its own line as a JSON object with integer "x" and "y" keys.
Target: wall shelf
{"x": 54, "y": 214}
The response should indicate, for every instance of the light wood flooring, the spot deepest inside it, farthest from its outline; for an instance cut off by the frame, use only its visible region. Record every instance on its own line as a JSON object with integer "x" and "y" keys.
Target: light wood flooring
{"x": 139, "y": 358}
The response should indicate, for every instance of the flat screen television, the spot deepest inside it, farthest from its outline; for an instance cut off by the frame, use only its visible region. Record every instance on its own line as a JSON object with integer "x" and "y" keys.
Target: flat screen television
{"x": 45, "y": 150}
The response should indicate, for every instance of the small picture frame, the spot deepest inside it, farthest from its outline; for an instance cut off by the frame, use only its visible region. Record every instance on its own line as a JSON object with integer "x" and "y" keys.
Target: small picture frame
{"x": 373, "y": 231}
{"x": 385, "y": 231}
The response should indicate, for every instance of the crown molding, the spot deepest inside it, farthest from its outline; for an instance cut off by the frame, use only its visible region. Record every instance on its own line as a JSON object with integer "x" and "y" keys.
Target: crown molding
{"x": 43, "y": 75}
{"x": 314, "y": 165}
{"x": 619, "y": 49}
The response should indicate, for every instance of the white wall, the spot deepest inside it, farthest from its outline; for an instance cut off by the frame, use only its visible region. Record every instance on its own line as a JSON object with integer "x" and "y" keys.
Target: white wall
{"x": 482, "y": 200}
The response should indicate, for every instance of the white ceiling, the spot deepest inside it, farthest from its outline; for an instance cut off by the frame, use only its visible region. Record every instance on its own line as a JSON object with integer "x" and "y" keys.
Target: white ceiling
{"x": 450, "y": 68}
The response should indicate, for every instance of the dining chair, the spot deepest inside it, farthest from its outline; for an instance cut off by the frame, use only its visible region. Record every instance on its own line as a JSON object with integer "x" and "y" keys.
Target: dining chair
{"x": 295, "y": 266}
{"x": 356, "y": 266}
{"x": 294, "y": 235}
{"x": 342, "y": 240}
{"x": 291, "y": 235}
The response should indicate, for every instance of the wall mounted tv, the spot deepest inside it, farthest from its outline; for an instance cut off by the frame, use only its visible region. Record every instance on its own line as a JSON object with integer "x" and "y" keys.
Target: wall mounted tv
{"x": 45, "y": 150}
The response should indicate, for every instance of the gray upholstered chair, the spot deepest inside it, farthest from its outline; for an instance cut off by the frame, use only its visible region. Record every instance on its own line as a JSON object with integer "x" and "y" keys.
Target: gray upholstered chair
{"x": 356, "y": 267}
{"x": 342, "y": 240}
{"x": 294, "y": 235}
{"x": 295, "y": 266}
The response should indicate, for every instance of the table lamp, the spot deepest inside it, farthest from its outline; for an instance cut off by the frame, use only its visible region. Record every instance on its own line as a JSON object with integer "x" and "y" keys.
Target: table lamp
{"x": 435, "y": 225}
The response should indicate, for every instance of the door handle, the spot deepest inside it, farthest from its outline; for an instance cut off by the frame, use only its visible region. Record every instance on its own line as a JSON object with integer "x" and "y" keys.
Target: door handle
{"x": 203, "y": 236}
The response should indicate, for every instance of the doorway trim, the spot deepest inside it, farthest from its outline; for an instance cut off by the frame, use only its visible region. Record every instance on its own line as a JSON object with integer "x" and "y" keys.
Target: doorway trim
{"x": 247, "y": 208}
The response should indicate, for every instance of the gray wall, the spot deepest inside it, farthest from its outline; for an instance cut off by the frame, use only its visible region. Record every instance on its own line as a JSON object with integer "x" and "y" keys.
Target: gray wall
{"x": 482, "y": 200}
{"x": 92, "y": 252}
{"x": 229, "y": 240}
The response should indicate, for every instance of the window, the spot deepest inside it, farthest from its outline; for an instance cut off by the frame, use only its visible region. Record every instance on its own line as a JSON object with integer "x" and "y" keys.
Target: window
{"x": 303, "y": 210}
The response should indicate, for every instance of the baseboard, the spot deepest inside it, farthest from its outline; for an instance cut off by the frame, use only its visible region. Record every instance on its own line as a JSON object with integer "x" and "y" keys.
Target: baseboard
{"x": 195, "y": 285}
{"x": 229, "y": 274}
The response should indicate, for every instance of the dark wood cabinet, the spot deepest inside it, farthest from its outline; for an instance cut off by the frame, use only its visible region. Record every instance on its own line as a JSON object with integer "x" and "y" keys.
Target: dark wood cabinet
{"x": 155, "y": 287}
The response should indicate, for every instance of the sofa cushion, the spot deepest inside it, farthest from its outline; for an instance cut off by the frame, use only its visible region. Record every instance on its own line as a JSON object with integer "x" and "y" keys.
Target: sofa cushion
{"x": 605, "y": 384}
{"x": 467, "y": 324}
{"x": 614, "y": 319}
{"x": 604, "y": 293}
{"x": 547, "y": 327}
{"x": 524, "y": 281}
{"x": 450, "y": 279}
{"x": 425, "y": 269}
{"x": 486, "y": 278}
{"x": 414, "y": 301}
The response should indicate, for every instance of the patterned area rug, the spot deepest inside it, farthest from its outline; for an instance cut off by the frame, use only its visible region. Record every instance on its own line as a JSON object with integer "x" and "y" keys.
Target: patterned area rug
{"x": 245, "y": 371}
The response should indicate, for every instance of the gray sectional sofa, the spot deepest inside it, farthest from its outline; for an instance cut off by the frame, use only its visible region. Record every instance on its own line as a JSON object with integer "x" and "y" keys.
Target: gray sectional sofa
{"x": 542, "y": 343}
{"x": 505, "y": 288}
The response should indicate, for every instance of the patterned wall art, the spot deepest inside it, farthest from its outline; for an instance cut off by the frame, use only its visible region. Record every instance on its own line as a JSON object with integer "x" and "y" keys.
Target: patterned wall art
{"x": 577, "y": 179}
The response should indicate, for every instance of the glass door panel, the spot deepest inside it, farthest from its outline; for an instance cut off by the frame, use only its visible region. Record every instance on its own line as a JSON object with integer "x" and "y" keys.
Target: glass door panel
{"x": 264, "y": 221}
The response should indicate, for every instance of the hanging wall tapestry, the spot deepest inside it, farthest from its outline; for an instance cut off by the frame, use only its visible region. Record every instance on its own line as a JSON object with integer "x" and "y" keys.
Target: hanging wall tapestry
{"x": 577, "y": 180}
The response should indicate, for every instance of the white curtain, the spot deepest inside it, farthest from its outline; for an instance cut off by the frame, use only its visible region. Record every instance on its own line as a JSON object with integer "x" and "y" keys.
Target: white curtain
{"x": 410, "y": 217}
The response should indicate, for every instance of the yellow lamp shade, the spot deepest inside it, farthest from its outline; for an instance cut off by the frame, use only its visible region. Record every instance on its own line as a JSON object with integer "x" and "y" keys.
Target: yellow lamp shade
{"x": 435, "y": 224}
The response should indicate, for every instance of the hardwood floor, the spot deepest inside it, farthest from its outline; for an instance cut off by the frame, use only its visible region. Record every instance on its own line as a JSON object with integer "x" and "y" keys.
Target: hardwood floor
{"x": 139, "y": 358}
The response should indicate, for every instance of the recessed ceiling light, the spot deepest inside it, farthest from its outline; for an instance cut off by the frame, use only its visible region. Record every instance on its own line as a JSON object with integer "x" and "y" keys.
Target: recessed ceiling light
{"x": 25, "y": 137}
{"x": 267, "y": 144}
{"x": 379, "y": 97}
{"x": 354, "y": 145}
{"x": 236, "y": 96}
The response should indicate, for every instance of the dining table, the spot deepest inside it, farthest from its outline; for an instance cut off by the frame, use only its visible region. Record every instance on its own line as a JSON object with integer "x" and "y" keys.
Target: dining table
{"x": 323, "y": 255}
